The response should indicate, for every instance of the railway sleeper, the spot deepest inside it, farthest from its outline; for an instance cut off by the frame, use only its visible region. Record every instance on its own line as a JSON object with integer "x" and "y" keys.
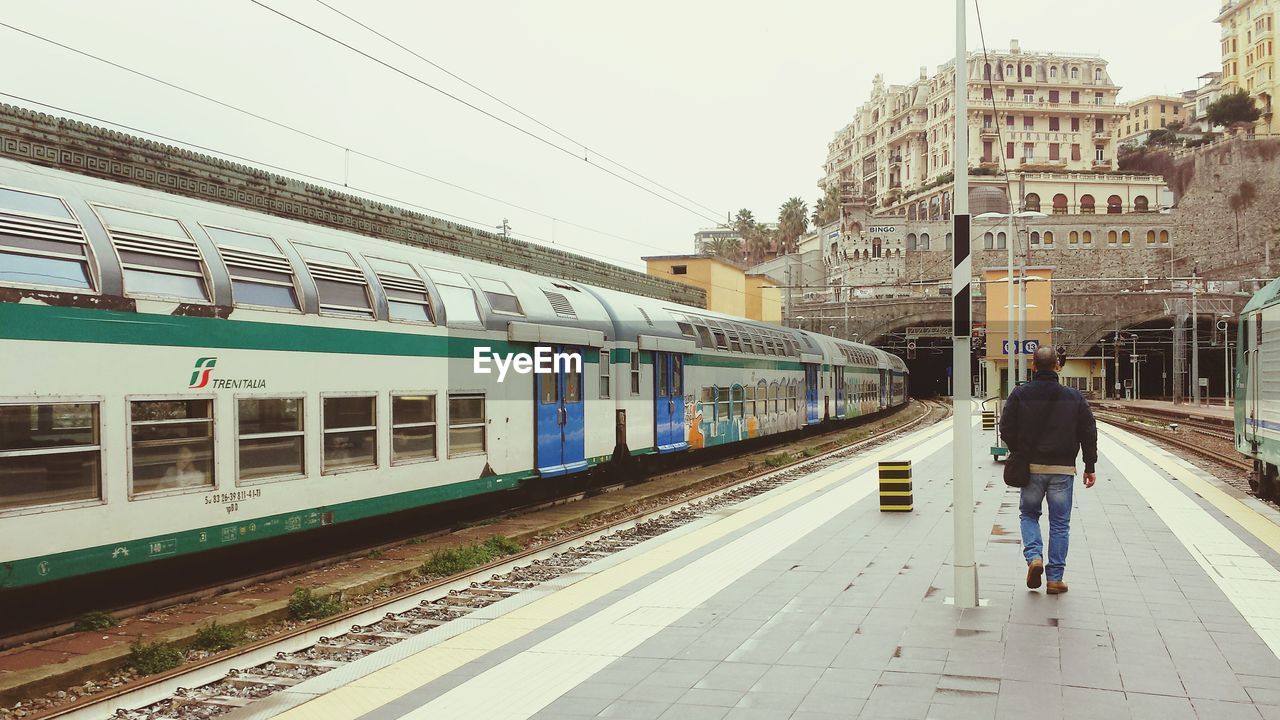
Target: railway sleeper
{"x": 255, "y": 680}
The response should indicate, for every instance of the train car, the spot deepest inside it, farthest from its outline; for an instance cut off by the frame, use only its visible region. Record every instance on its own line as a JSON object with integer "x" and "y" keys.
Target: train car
{"x": 178, "y": 376}
{"x": 1257, "y": 391}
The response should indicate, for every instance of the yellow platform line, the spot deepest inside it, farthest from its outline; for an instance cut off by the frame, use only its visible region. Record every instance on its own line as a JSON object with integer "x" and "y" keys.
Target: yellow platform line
{"x": 1256, "y": 524}
{"x": 382, "y": 686}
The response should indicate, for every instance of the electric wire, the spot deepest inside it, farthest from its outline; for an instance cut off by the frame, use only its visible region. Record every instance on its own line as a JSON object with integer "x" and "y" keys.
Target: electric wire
{"x": 511, "y": 107}
{"x": 318, "y": 138}
{"x": 504, "y": 121}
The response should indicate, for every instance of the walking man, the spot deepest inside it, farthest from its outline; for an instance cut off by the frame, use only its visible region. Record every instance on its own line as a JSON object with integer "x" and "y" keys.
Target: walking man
{"x": 1062, "y": 425}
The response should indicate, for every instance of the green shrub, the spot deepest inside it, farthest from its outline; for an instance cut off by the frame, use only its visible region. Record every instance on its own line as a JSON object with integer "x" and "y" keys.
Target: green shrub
{"x": 306, "y": 605}
{"x": 451, "y": 561}
{"x": 96, "y": 620}
{"x": 501, "y": 545}
{"x": 152, "y": 658}
{"x": 215, "y": 637}
{"x": 777, "y": 460}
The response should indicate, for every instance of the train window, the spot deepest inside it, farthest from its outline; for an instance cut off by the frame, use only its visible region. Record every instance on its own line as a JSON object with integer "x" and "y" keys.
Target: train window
{"x": 49, "y": 453}
{"x": 793, "y": 395}
{"x": 407, "y": 297}
{"x": 606, "y": 371}
{"x": 413, "y": 428}
{"x": 466, "y": 424}
{"x": 773, "y": 398}
{"x": 686, "y": 328}
{"x": 459, "y": 299}
{"x": 270, "y": 438}
{"x": 500, "y": 297}
{"x": 660, "y": 372}
{"x": 736, "y": 397}
{"x": 704, "y": 334}
{"x": 171, "y": 444}
{"x": 260, "y": 273}
{"x": 708, "y": 400}
{"x": 677, "y": 375}
{"x": 735, "y": 344}
{"x": 722, "y": 403}
{"x": 340, "y": 283}
{"x": 573, "y": 377}
{"x": 350, "y": 433}
{"x": 41, "y": 243}
{"x": 762, "y": 398}
{"x": 635, "y": 372}
{"x": 158, "y": 256}
{"x": 749, "y": 400}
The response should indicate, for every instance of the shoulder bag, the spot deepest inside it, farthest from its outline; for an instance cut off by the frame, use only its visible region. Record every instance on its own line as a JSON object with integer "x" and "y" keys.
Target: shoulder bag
{"x": 1017, "y": 466}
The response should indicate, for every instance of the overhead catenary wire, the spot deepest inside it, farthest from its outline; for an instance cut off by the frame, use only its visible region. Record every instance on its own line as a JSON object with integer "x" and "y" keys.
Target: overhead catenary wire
{"x": 511, "y": 107}
{"x": 338, "y": 145}
{"x": 524, "y": 131}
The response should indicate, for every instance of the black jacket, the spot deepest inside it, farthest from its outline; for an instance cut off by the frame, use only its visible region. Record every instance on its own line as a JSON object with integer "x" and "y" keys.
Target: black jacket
{"x": 1068, "y": 428}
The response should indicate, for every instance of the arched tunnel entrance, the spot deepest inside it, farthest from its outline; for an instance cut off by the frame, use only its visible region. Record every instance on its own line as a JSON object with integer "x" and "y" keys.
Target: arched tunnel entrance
{"x": 1153, "y": 376}
{"x": 928, "y": 359}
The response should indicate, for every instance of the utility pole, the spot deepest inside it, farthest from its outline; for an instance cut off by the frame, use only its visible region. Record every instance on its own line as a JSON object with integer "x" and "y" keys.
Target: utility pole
{"x": 1009, "y": 334}
{"x": 966, "y": 570}
{"x": 1195, "y": 341}
{"x": 1022, "y": 320}
{"x": 1115, "y": 351}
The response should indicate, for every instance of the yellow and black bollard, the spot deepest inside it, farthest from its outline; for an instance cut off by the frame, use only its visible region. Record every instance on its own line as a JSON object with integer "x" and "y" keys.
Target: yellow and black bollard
{"x": 988, "y": 419}
{"x": 895, "y": 486}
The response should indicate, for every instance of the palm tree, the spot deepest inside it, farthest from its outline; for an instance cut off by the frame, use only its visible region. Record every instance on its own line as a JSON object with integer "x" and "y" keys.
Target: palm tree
{"x": 793, "y": 221}
{"x": 759, "y": 243}
{"x": 827, "y": 209}
{"x": 728, "y": 248}
{"x": 744, "y": 222}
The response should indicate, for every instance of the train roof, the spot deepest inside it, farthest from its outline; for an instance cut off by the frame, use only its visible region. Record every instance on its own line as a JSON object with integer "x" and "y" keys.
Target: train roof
{"x": 1267, "y": 296}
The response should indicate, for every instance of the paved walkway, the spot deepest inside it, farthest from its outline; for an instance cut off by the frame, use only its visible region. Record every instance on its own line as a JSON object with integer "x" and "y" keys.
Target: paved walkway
{"x": 809, "y": 603}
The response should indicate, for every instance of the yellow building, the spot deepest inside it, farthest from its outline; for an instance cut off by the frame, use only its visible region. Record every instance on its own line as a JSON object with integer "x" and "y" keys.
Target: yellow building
{"x": 1248, "y": 54}
{"x": 1149, "y": 113}
{"x": 729, "y": 288}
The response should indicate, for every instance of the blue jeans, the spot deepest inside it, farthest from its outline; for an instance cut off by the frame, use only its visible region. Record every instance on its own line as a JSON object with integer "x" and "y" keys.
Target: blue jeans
{"x": 1058, "y": 488}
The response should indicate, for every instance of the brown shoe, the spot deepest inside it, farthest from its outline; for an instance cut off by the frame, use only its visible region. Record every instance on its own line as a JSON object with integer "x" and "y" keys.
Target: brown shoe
{"x": 1055, "y": 587}
{"x": 1035, "y": 569}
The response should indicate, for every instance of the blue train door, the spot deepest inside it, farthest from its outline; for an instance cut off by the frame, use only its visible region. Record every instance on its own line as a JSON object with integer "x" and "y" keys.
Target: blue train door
{"x": 668, "y": 401}
{"x": 559, "y": 418}
{"x": 839, "y": 374}
{"x": 811, "y": 393}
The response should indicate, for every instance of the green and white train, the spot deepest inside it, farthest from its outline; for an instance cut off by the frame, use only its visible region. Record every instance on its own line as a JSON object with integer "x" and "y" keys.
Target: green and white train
{"x": 1257, "y": 408}
{"x": 178, "y": 376}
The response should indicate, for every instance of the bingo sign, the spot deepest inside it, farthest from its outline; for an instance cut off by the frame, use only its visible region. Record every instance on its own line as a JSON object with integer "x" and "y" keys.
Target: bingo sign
{"x": 885, "y": 232}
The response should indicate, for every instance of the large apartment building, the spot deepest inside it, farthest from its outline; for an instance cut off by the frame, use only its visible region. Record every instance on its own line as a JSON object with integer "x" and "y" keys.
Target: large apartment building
{"x": 1049, "y": 119}
{"x": 1248, "y": 54}
{"x": 1146, "y": 114}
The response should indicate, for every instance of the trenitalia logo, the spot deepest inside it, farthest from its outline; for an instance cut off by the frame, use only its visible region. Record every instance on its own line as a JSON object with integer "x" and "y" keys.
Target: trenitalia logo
{"x": 200, "y": 374}
{"x": 542, "y": 362}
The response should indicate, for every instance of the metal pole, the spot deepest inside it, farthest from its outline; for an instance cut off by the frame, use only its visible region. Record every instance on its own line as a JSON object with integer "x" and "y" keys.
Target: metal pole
{"x": 1195, "y": 343}
{"x": 966, "y": 570}
{"x": 1022, "y": 320}
{"x": 1115, "y": 350}
{"x": 1226, "y": 371}
{"x": 1136, "y": 394}
{"x": 1009, "y": 334}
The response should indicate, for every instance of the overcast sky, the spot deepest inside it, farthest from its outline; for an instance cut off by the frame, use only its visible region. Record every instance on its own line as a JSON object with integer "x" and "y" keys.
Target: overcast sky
{"x": 730, "y": 103}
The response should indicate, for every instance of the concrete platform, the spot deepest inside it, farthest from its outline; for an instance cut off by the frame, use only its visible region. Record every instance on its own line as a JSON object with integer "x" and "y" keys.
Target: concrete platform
{"x": 809, "y": 603}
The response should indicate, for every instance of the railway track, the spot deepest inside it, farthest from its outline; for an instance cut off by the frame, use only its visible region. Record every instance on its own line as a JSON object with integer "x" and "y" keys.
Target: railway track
{"x": 1189, "y": 443}
{"x": 1204, "y": 424}
{"x": 236, "y": 678}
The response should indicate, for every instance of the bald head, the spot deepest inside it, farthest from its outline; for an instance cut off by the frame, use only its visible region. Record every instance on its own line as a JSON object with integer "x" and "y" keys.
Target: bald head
{"x": 1045, "y": 358}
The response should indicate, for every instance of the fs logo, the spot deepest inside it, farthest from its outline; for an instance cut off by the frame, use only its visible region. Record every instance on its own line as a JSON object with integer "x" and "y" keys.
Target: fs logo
{"x": 200, "y": 374}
